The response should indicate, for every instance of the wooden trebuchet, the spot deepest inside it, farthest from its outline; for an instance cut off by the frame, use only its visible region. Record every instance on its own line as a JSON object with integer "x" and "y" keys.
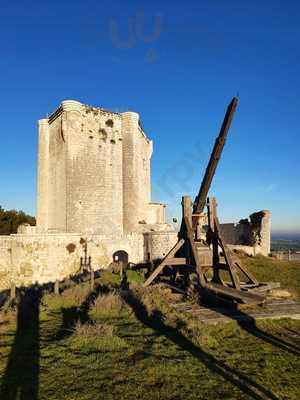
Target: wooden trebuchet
{"x": 186, "y": 256}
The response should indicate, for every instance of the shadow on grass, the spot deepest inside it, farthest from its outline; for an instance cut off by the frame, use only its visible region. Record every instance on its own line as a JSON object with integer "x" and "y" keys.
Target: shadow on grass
{"x": 21, "y": 377}
{"x": 72, "y": 315}
{"x": 248, "y": 323}
{"x": 155, "y": 322}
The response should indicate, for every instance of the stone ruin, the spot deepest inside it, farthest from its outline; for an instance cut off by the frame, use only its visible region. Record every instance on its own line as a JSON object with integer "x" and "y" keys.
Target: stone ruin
{"x": 252, "y": 236}
{"x": 94, "y": 201}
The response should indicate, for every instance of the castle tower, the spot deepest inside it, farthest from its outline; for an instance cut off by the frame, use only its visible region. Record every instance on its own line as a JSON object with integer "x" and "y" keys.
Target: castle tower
{"x": 137, "y": 151}
{"x": 80, "y": 171}
{"x": 94, "y": 173}
{"x": 43, "y": 178}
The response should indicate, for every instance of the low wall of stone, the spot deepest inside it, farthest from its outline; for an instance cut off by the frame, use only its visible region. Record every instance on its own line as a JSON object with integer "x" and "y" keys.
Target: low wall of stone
{"x": 250, "y": 250}
{"x": 29, "y": 258}
{"x": 246, "y": 249}
{"x": 26, "y": 259}
{"x": 5, "y": 261}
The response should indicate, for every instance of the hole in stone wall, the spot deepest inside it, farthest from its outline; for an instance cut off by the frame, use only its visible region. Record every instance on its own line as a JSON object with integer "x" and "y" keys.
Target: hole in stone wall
{"x": 109, "y": 123}
{"x": 113, "y": 141}
{"x": 103, "y": 134}
{"x": 71, "y": 247}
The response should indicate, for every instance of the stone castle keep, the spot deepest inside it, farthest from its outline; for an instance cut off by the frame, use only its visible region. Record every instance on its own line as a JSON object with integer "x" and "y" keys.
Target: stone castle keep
{"x": 94, "y": 173}
{"x": 94, "y": 200}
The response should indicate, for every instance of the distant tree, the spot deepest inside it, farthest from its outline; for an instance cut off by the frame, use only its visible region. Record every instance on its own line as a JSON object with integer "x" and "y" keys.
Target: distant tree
{"x": 11, "y": 219}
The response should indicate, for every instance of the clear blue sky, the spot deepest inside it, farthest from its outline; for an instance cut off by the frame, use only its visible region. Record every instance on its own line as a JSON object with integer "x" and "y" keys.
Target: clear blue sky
{"x": 178, "y": 64}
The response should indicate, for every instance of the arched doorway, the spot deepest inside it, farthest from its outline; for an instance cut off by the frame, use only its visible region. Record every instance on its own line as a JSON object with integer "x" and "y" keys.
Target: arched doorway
{"x": 121, "y": 258}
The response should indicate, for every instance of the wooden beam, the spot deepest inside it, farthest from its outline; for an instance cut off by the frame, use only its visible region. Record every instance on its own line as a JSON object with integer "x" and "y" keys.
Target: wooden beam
{"x": 164, "y": 262}
{"x": 227, "y": 254}
{"x": 187, "y": 216}
{"x": 212, "y": 213}
{"x": 245, "y": 271}
{"x": 236, "y": 294}
{"x": 176, "y": 261}
{"x": 200, "y": 200}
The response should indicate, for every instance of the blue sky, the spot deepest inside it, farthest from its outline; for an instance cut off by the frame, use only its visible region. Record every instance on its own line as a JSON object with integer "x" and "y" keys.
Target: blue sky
{"x": 178, "y": 64}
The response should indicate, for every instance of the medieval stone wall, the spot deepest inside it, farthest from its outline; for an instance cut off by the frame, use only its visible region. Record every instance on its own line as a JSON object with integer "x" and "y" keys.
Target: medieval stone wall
{"x": 253, "y": 237}
{"x": 239, "y": 234}
{"x": 29, "y": 258}
{"x": 94, "y": 171}
{"x": 158, "y": 244}
{"x": 26, "y": 259}
{"x": 5, "y": 262}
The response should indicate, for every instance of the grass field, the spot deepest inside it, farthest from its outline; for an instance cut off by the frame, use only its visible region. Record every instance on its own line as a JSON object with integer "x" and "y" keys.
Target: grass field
{"x": 112, "y": 344}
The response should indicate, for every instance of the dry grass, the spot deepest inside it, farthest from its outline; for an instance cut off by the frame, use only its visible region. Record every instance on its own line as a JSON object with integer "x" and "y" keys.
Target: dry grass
{"x": 91, "y": 331}
{"x": 156, "y": 297}
{"x": 74, "y": 296}
{"x": 108, "y": 305}
{"x": 78, "y": 294}
{"x": 96, "y": 336}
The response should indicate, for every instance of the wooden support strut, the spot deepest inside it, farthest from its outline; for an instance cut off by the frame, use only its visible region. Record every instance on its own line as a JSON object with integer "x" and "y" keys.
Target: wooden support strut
{"x": 248, "y": 274}
{"x": 213, "y": 239}
{"x": 187, "y": 218}
{"x": 226, "y": 251}
{"x": 168, "y": 260}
